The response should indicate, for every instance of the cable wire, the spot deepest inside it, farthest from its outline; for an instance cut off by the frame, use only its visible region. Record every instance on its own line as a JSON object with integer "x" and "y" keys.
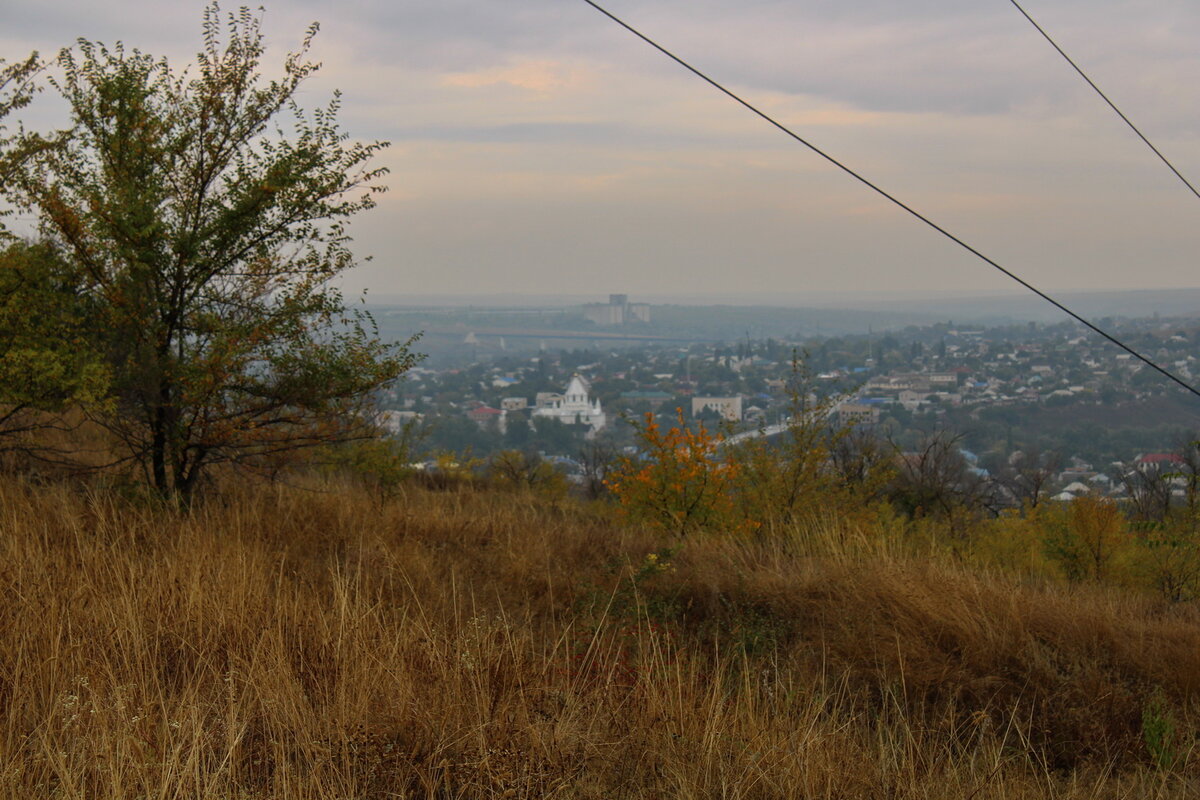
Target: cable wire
{"x": 861, "y": 179}
{"x": 1104, "y": 97}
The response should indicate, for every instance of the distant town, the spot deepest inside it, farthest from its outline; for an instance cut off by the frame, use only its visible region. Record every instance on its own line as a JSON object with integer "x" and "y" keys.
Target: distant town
{"x": 1086, "y": 410}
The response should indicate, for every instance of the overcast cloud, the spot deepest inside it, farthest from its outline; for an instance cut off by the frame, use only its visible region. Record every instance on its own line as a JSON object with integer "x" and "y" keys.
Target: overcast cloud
{"x": 539, "y": 148}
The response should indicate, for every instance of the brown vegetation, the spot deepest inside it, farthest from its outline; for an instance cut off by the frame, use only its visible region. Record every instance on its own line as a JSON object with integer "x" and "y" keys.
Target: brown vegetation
{"x": 321, "y": 643}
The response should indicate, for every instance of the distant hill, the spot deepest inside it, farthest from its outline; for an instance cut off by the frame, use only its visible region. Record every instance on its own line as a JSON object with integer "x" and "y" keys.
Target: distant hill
{"x": 1030, "y": 308}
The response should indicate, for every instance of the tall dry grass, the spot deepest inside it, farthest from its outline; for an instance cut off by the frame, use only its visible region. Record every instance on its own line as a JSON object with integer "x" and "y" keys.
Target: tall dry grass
{"x": 286, "y": 643}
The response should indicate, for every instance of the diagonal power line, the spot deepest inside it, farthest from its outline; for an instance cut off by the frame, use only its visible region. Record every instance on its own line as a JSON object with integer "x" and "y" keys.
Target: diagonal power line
{"x": 1104, "y": 97}
{"x": 891, "y": 198}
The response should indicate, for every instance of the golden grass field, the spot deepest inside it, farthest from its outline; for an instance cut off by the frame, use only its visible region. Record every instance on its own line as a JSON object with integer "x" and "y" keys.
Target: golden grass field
{"x": 322, "y": 642}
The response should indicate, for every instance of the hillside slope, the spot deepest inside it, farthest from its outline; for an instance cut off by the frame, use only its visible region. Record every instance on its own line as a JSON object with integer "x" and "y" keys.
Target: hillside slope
{"x": 321, "y": 643}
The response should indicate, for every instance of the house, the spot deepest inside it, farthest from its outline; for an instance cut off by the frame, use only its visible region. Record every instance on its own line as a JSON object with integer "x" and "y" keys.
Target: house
{"x": 487, "y": 417}
{"x": 730, "y": 408}
{"x": 394, "y": 421}
{"x": 913, "y": 400}
{"x": 1162, "y": 462}
{"x": 857, "y": 414}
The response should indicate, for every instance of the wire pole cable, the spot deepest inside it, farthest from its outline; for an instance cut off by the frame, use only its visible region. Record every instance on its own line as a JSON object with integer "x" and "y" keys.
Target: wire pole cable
{"x": 861, "y": 179}
{"x": 1104, "y": 97}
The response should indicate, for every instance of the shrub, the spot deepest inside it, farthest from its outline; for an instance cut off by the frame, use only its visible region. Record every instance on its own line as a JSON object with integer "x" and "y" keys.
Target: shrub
{"x": 681, "y": 483}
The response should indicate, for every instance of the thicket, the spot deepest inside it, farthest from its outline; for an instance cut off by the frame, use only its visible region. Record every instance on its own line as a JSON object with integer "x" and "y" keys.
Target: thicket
{"x": 688, "y": 480}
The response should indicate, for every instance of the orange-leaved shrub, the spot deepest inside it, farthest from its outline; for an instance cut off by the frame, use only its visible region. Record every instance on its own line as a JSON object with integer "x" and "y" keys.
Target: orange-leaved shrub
{"x": 683, "y": 483}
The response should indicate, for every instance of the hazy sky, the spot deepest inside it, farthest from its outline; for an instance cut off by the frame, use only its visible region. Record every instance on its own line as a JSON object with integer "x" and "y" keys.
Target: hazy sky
{"x": 536, "y": 147}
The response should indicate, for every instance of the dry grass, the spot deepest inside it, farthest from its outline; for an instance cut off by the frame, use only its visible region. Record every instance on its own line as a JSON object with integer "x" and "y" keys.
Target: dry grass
{"x": 281, "y": 643}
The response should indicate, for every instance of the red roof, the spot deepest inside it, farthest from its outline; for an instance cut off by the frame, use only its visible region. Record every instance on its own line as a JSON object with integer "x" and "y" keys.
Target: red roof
{"x": 1158, "y": 458}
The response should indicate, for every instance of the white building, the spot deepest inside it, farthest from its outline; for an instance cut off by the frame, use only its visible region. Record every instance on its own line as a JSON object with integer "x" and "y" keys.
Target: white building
{"x": 394, "y": 421}
{"x": 571, "y": 407}
{"x": 618, "y": 311}
{"x": 730, "y": 408}
{"x": 858, "y": 414}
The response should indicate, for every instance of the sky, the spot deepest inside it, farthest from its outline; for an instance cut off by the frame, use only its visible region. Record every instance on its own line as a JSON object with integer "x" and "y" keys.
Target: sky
{"x": 537, "y": 148}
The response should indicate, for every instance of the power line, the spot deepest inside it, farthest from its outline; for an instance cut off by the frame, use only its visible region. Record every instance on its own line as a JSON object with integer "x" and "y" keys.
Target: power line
{"x": 1104, "y": 97}
{"x": 858, "y": 177}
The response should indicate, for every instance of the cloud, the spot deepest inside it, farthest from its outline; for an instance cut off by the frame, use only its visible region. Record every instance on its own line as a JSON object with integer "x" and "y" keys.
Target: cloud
{"x": 543, "y": 76}
{"x": 540, "y": 147}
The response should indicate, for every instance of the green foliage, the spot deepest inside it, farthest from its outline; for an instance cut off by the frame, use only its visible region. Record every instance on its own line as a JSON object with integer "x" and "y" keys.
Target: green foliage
{"x": 458, "y": 434}
{"x": 556, "y": 437}
{"x": 382, "y": 463}
{"x": 48, "y": 363}
{"x": 16, "y": 90}
{"x": 1087, "y": 542}
{"x": 515, "y": 469}
{"x": 781, "y": 481}
{"x": 816, "y": 468}
{"x": 641, "y": 592}
{"x": 1169, "y": 556}
{"x": 1015, "y": 540}
{"x": 205, "y": 215}
{"x": 1159, "y": 732}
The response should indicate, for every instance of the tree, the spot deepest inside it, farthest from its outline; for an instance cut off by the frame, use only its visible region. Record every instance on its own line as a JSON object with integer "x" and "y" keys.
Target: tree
{"x": 1091, "y": 537}
{"x": 597, "y": 458}
{"x": 516, "y": 469}
{"x": 518, "y": 431}
{"x": 935, "y": 479}
{"x": 1149, "y": 489}
{"x": 206, "y": 214}
{"x": 1029, "y": 475}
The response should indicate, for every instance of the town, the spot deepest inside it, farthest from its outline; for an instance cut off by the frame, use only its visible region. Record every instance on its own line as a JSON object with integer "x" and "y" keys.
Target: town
{"x": 1087, "y": 412}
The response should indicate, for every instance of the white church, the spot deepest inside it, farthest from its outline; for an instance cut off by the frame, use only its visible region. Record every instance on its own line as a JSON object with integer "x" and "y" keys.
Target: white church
{"x": 571, "y": 407}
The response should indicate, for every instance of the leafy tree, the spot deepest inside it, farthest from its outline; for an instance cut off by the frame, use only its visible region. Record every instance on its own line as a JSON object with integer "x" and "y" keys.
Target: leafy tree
{"x": 1093, "y": 535}
{"x": 206, "y": 215}
{"x": 517, "y": 432}
{"x": 457, "y": 434}
{"x": 515, "y": 469}
{"x": 557, "y": 437}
